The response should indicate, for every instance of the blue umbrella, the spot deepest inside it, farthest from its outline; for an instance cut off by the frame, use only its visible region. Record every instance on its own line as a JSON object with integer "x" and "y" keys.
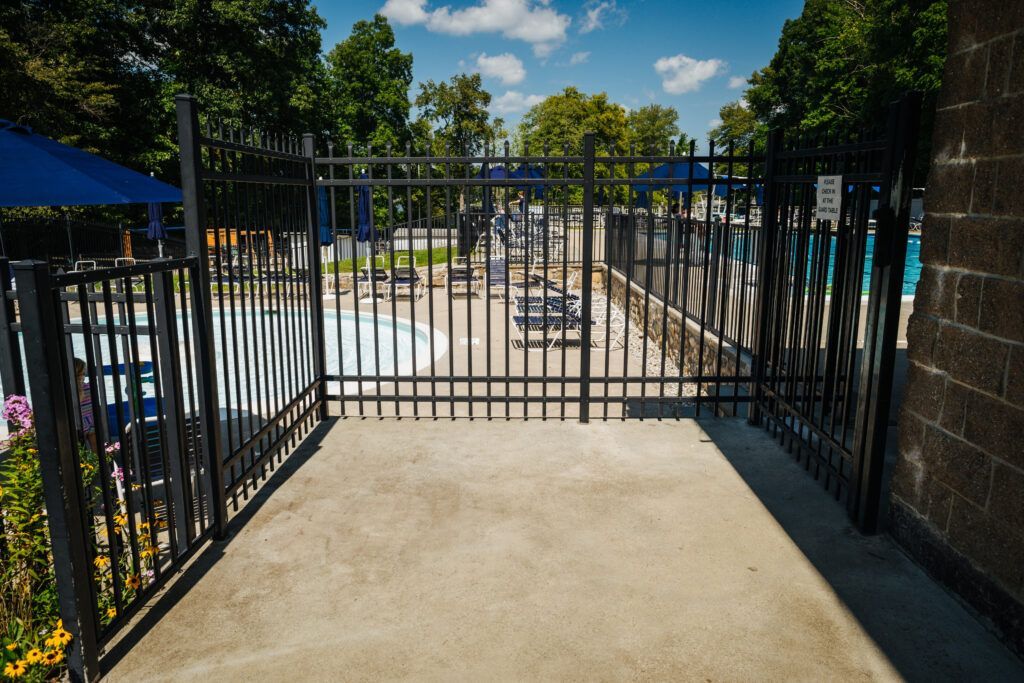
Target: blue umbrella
{"x": 38, "y": 171}
{"x": 155, "y": 230}
{"x": 324, "y": 211}
{"x": 364, "y": 210}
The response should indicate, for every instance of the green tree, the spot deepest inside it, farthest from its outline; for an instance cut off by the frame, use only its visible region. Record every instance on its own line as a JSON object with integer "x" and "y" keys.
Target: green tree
{"x": 653, "y": 126}
{"x": 457, "y": 111}
{"x": 740, "y": 126}
{"x": 101, "y": 74}
{"x": 564, "y": 118}
{"x": 561, "y": 120}
{"x": 840, "y": 64}
{"x": 369, "y": 79}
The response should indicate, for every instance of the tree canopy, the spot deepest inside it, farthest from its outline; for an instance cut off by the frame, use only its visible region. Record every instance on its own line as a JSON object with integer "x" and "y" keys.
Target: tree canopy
{"x": 457, "y": 111}
{"x": 651, "y": 127}
{"x": 101, "y": 74}
{"x": 369, "y": 80}
{"x": 564, "y": 118}
{"x": 840, "y": 64}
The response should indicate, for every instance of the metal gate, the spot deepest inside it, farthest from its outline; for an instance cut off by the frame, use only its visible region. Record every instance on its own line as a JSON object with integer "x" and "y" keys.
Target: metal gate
{"x": 826, "y": 339}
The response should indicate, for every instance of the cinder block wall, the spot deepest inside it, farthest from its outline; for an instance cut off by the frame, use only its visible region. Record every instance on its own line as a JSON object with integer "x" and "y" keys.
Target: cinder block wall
{"x": 958, "y": 488}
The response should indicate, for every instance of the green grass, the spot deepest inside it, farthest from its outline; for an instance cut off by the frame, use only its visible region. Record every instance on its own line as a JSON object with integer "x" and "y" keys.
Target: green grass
{"x": 439, "y": 255}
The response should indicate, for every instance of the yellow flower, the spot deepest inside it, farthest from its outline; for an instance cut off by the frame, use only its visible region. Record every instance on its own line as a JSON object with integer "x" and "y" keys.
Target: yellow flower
{"x": 148, "y": 551}
{"x": 101, "y": 561}
{"x": 162, "y": 524}
{"x": 16, "y": 669}
{"x": 144, "y": 526}
{"x": 52, "y": 657}
{"x": 34, "y": 656}
{"x": 58, "y": 639}
{"x": 132, "y": 581}
{"x": 121, "y": 520}
{"x": 111, "y": 612}
{"x": 136, "y": 487}
{"x": 11, "y": 647}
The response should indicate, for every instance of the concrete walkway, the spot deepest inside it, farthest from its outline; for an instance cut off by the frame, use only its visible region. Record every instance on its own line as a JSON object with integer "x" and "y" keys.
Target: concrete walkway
{"x": 474, "y": 550}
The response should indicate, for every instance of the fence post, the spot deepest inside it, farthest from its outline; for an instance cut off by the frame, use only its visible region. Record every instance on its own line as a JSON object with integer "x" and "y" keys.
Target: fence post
{"x": 12, "y": 372}
{"x": 588, "y": 273}
{"x": 172, "y": 393}
{"x": 765, "y": 276}
{"x": 883, "y": 312}
{"x": 315, "y": 274}
{"x": 59, "y": 466}
{"x": 202, "y": 315}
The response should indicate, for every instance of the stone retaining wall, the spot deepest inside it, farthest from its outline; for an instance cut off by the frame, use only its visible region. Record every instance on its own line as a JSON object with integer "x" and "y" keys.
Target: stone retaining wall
{"x": 675, "y": 325}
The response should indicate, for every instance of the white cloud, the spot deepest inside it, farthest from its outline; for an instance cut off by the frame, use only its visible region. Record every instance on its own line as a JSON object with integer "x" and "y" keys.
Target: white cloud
{"x": 506, "y": 67}
{"x": 531, "y": 21}
{"x": 714, "y": 123}
{"x": 681, "y": 74}
{"x": 599, "y": 13}
{"x": 514, "y": 101}
{"x": 579, "y": 58}
{"x": 405, "y": 11}
{"x": 737, "y": 82}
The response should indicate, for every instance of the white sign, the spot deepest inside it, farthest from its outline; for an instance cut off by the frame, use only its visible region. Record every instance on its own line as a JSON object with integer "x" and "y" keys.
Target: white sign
{"x": 830, "y": 197}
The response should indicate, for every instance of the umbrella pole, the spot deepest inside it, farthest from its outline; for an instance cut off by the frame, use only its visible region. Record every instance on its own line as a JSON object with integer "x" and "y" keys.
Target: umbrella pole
{"x": 71, "y": 245}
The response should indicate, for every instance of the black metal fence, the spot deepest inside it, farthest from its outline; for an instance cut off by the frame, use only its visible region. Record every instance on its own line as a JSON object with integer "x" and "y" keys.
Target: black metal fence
{"x": 111, "y": 359}
{"x": 166, "y": 391}
{"x": 249, "y": 201}
{"x": 825, "y": 352}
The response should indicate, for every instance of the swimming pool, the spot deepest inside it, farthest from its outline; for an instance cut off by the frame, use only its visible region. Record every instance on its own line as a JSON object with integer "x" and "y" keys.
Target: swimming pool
{"x": 911, "y": 273}
{"x": 401, "y": 345}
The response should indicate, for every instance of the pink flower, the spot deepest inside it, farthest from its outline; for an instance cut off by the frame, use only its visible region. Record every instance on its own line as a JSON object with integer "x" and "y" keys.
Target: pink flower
{"x": 18, "y": 412}
{"x": 118, "y": 473}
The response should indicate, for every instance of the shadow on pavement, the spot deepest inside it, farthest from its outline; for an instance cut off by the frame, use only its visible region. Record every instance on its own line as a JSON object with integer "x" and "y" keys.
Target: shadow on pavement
{"x": 922, "y": 629}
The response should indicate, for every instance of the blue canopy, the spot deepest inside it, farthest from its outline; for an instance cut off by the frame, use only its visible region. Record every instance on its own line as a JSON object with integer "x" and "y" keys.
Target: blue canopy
{"x": 38, "y": 171}
{"x": 496, "y": 172}
{"x": 500, "y": 172}
{"x": 529, "y": 172}
{"x": 680, "y": 173}
{"x": 323, "y": 210}
{"x": 364, "y": 214}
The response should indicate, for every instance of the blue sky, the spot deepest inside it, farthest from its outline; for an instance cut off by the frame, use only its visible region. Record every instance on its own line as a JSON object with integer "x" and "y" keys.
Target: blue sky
{"x": 689, "y": 55}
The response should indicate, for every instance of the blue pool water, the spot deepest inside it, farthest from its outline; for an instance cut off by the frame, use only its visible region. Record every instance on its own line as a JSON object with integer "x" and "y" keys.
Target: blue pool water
{"x": 911, "y": 273}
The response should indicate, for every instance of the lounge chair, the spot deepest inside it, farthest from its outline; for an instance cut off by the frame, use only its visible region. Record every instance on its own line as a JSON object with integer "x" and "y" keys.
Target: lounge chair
{"x": 372, "y": 276}
{"x": 462, "y": 274}
{"x": 540, "y": 314}
{"x": 407, "y": 278}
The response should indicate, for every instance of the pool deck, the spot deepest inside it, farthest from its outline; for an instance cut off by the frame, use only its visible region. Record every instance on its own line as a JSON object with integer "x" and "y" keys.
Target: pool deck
{"x": 507, "y": 550}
